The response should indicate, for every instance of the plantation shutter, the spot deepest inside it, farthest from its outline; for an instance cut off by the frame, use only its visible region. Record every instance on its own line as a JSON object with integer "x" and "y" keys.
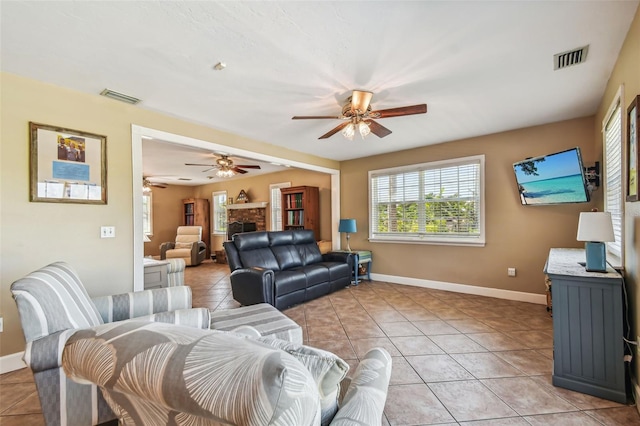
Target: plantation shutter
{"x": 613, "y": 183}
{"x": 428, "y": 201}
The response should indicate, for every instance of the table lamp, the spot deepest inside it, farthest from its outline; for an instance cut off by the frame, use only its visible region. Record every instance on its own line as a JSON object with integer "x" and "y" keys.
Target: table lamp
{"x": 348, "y": 226}
{"x": 595, "y": 228}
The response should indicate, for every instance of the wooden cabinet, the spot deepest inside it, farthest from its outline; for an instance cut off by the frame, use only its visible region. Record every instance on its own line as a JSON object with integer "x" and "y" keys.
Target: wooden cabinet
{"x": 588, "y": 313}
{"x": 301, "y": 209}
{"x": 196, "y": 213}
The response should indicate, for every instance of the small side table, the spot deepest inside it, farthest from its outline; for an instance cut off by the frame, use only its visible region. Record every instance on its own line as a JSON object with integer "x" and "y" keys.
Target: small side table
{"x": 360, "y": 257}
{"x": 155, "y": 273}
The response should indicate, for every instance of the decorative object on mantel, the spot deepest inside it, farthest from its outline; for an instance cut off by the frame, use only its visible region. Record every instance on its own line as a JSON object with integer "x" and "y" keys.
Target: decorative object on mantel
{"x": 67, "y": 166}
{"x": 230, "y": 200}
{"x": 348, "y": 226}
{"x": 242, "y": 197}
{"x": 146, "y": 238}
{"x": 595, "y": 228}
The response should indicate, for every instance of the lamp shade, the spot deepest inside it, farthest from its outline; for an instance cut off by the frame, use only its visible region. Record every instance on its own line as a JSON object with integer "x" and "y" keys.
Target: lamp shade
{"x": 347, "y": 225}
{"x": 595, "y": 226}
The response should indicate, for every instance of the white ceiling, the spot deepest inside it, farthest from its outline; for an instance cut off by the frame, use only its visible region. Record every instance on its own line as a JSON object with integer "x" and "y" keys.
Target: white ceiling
{"x": 481, "y": 67}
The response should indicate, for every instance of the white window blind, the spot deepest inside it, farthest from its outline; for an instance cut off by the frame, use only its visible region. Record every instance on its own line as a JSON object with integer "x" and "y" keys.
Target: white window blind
{"x": 439, "y": 202}
{"x": 613, "y": 182}
{"x": 276, "y": 205}
{"x": 220, "y": 212}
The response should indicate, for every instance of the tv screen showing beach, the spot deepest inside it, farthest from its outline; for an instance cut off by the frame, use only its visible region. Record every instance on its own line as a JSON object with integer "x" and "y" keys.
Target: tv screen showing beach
{"x": 552, "y": 179}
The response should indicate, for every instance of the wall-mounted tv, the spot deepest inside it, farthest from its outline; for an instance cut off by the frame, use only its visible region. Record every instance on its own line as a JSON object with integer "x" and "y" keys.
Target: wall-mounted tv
{"x": 552, "y": 179}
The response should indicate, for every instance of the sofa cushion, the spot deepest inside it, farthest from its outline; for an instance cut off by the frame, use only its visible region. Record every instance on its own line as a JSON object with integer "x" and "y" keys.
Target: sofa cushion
{"x": 157, "y": 371}
{"x": 261, "y": 257}
{"x": 287, "y": 256}
{"x": 316, "y": 274}
{"x": 327, "y": 369}
{"x": 251, "y": 240}
{"x": 281, "y": 238}
{"x": 337, "y": 270}
{"x": 288, "y": 281}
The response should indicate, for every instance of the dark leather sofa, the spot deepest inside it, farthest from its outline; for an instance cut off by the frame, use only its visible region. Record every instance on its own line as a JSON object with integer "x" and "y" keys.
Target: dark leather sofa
{"x": 283, "y": 268}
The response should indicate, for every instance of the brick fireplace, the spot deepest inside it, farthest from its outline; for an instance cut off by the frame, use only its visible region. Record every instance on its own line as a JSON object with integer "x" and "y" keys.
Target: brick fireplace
{"x": 249, "y": 212}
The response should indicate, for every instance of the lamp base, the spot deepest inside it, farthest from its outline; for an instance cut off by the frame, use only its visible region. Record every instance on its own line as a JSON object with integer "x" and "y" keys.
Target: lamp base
{"x": 596, "y": 256}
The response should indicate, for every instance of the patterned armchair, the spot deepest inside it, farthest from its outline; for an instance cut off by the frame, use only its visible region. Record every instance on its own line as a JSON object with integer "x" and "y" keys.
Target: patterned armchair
{"x": 160, "y": 374}
{"x": 53, "y": 305}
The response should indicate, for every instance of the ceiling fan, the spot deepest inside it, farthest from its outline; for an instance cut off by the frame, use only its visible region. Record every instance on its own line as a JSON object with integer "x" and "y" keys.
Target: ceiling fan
{"x": 225, "y": 167}
{"x": 357, "y": 114}
{"x": 147, "y": 185}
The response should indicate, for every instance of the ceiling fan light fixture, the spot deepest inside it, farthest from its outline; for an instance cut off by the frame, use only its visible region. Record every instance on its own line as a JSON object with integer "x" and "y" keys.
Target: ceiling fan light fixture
{"x": 349, "y": 131}
{"x": 224, "y": 173}
{"x": 364, "y": 129}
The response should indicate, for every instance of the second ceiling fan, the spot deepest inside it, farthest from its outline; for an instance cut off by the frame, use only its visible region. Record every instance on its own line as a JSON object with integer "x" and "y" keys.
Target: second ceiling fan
{"x": 225, "y": 167}
{"x": 357, "y": 115}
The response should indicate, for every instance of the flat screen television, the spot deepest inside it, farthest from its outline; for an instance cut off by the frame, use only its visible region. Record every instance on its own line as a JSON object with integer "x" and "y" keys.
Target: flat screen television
{"x": 556, "y": 178}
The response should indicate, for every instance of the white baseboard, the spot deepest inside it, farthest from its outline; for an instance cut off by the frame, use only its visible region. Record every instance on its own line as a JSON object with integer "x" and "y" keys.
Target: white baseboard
{"x": 540, "y": 299}
{"x": 11, "y": 362}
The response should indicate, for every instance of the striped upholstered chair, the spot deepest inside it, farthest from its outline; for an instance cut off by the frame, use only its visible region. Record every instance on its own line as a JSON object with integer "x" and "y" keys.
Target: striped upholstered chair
{"x": 54, "y": 305}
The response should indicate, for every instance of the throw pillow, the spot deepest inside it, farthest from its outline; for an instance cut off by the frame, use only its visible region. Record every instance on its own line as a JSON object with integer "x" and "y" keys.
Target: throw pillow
{"x": 326, "y": 368}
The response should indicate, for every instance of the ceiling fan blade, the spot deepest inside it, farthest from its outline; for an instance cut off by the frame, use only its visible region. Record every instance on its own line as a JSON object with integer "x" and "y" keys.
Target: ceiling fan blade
{"x": 378, "y": 129}
{"x": 248, "y": 166}
{"x": 397, "y": 112}
{"x": 360, "y": 101}
{"x": 209, "y": 169}
{"x": 191, "y": 164}
{"x": 334, "y": 130}
{"x": 159, "y": 185}
{"x": 306, "y": 117}
{"x": 237, "y": 170}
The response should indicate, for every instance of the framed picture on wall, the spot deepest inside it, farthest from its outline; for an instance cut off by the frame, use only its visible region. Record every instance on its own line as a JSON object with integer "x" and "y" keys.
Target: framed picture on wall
{"x": 67, "y": 166}
{"x": 633, "y": 118}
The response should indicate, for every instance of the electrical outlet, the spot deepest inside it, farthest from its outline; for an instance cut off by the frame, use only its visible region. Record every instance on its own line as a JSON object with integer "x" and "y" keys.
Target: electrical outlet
{"x": 511, "y": 272}
{"x": 107, "y": 232}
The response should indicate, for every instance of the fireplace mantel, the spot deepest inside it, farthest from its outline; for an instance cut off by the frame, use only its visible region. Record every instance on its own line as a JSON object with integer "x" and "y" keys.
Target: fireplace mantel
{"x": 261, "y": 205}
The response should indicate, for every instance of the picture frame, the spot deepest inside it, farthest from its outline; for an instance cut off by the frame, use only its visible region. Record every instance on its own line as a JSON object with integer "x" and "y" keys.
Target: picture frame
{"x": 66, "y": 165}
{"x": 633, "y": 120}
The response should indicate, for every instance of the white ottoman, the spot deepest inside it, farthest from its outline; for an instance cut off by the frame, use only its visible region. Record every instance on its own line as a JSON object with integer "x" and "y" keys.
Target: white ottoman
{"x": 263, "y": 317}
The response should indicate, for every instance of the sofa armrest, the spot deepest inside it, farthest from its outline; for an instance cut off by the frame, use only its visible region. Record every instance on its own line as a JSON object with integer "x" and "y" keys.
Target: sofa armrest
{"x": 364, "y": 400}
{"x": 253, "y": 285}
{"x": 46, "y": 352}
{"x": 194, "y": 317}
{"x": 334, "y": 256}
{"x": 164, "y": 247}
{"x": 119, "y": 307}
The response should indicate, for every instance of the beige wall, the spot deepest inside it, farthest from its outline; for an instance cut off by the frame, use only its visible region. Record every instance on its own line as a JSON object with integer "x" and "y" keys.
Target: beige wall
{"x": 627, "y": 73}
{"x": 167, "y": 215}
{"x": 516, "y": 236}
{"x": 35, "y": 234}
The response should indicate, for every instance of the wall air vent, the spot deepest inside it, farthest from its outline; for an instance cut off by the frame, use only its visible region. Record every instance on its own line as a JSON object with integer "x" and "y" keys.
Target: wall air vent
{"x": 185, "y": 179}
{"x": 571, "y": 57}
{"x": 119, "y": 96}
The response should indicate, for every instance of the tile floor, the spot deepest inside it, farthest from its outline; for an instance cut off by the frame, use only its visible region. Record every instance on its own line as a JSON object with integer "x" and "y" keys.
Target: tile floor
{"x": 457, "y": 358}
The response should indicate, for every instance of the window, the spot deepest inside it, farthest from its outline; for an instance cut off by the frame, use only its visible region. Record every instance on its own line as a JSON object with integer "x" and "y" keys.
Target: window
{"x": 613, "y": 182}
{"x": 439, "y": 203}
{"x": 276, "y": 204}
{"x": 220, "y": 212}
{"x": 147, "y": 213}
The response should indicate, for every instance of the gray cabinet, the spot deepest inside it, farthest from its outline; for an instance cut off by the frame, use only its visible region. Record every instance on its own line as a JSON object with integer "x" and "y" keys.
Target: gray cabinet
{"x": 588, "y": 349}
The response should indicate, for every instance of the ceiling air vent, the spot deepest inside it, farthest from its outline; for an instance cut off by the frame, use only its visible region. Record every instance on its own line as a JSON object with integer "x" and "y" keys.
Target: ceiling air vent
{"x": 571, "y": 57}
{"x": 185, "y": 179}
{"x": 119, "y": 96}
